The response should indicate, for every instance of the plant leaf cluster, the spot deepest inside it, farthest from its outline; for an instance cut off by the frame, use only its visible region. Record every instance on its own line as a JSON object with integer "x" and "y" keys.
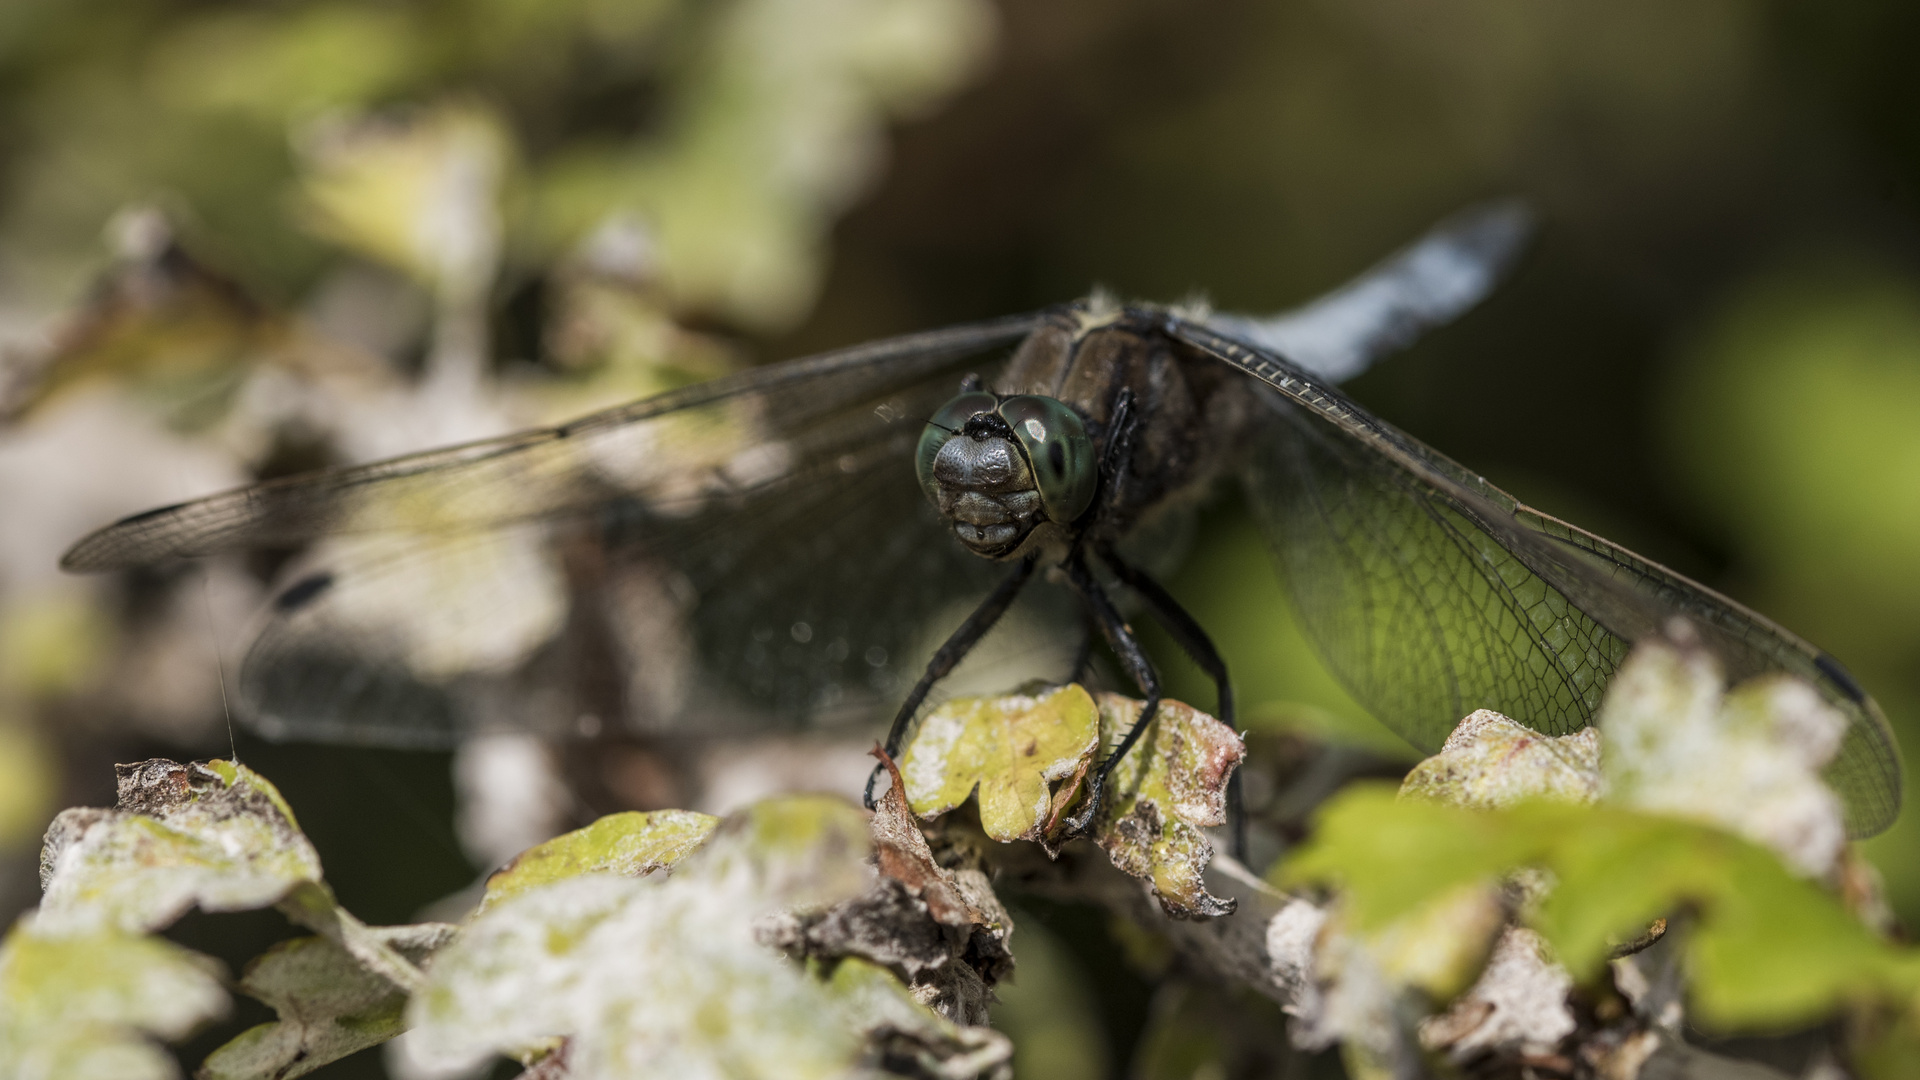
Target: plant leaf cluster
{"x": 641, "y": 943}
{"x": 1027, "y": 758}
{"x": 1766, "y": 948}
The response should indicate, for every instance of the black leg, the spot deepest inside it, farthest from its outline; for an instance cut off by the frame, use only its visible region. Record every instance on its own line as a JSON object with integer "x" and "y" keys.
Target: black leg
{"x": 957, "y": 646}
{"x": 1120, "y": 637}
{"x": 1083, "y": 656}
{"x": 1188, "y": 634}
{"x": 1184, "y": 628}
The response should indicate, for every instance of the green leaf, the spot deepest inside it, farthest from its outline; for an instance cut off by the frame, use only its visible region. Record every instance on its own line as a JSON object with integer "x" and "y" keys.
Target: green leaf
{"x": 1767, "y": 948}
{"x": 1169, "y": 787}
{"x": 78, "y": 1006}
{"x": 632, "y": 844}
{"x": 1024, "y": 753}
{"x": 1778, "y": 950}
{"x": 329, "y": 1005}
{"x": 1617, "y": 871}
{"x": 216, "y": 836}
{"x": 1390, "y": 855}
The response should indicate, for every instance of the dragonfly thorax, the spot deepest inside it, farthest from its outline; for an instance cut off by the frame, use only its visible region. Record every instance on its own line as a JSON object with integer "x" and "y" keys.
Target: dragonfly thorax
{"x": 997, "y": 468}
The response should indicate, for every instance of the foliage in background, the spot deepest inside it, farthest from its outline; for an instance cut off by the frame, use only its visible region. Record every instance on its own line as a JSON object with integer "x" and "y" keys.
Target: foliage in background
{"x": 306, "y": 204}
{"x": 736, "y": 131}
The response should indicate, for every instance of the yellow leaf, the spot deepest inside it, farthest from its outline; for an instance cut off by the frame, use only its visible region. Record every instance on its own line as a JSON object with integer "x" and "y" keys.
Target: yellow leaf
{"x": 1019, "y": 751}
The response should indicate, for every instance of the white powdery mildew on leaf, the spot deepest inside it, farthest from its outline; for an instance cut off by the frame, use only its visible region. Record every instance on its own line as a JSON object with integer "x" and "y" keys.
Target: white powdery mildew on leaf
{"x": 656, "y": 977}
{"x": 79, "y": 1006}
{"x": 631, "y": 844}
{"x": 214, "y": 836}
{"x": 933, "y": 743}
{"x": 879, "y": 1006}
{"x": 1490, "y": 762}
{"x": 1749, "y": 761}
{"x": 1519, "y": 1004}
{"x": 1352, "y": 986}
{"x": 329, "y": 1005}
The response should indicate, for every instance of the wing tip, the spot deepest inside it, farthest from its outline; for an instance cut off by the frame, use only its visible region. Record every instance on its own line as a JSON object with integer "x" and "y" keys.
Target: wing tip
{"x": 105, "y": 548}
{"x": 1868, "y": 774}
{"x": 92, "y": 555}
{"x": 1496, "y": 232}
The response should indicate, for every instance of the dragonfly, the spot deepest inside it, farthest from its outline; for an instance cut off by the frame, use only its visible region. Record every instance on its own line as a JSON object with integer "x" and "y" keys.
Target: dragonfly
{"x": 774, "y": 543}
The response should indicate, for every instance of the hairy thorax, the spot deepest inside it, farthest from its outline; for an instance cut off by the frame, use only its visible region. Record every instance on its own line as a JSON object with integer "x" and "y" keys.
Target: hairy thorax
{"x": 1189, "y": 416}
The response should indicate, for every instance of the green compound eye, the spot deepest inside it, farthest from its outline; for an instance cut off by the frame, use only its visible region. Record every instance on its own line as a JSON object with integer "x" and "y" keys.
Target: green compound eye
{"x": 1057, "y": 445}
{"x": 945, "y": 425}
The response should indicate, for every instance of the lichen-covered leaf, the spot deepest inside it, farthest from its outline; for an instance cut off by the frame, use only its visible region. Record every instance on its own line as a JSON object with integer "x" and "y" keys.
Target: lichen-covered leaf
{"x": 1024, "y": 753}
{"x": 329, "y": 1005}
{"x": 633, "y": 844}
{"x": 1490, "y": 761}
{"x": 658, "y": 976}
{"x": 1363, "y": 980}
{"x": 1160, "y": 797}
{"x": 217, "y": 836}
{"x": 80, "y": 1005}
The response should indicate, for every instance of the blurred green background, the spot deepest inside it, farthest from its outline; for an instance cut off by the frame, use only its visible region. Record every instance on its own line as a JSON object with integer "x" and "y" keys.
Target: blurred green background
{"x": 1712, "y": 355}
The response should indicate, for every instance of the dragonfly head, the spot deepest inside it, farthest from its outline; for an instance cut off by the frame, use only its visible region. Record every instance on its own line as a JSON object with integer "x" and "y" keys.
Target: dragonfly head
{"x": 997, "y": 467}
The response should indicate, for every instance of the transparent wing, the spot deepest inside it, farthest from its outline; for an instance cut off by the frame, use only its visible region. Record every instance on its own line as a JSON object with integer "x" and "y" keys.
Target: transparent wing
{"x": 1432, "y": 593}
{"x": 747, "y": 549}
{"x": 674, "y": 453}
{"x": 1426, "y": 284}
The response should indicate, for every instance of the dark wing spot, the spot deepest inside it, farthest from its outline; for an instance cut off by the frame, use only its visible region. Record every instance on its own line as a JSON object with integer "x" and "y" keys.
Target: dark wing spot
{"x": 153, "y": 513}
{"x": 302, "y": 592}
{"x": 1057, "y": 457}
{"x": 1841, "y": 677}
